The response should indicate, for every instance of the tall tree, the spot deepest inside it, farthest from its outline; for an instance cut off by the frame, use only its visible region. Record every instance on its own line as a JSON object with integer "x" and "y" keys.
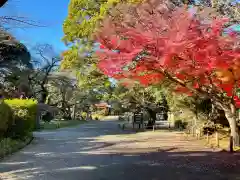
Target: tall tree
{"x": 12, "y": 53}
{"x": 84, "y": 16}
{"x": 2, "y": 2}
{"x": 153, "y": 43}
{"x": 45, "y": 63}
{"x": 15, "y": 61}
{"x": 82, "y": 21}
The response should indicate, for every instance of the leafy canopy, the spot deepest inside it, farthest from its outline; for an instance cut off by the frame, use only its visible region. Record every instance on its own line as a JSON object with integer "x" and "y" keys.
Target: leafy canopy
{"x": 83, "y": 19}
{"x": 84, "y": 16}
{"x": 154, "y": 43}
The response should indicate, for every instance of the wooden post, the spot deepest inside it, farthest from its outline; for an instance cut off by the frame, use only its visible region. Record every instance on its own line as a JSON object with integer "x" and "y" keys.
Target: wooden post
{"x": 217, "y": 139}
{"x": 207, "y": 137}
{"x": 197, "y": 134}
{"x": 74, "y": 111}
{"x": 231, "y": 144}
{"x": 193, "y": 131}
{"x": 38, "y": 119}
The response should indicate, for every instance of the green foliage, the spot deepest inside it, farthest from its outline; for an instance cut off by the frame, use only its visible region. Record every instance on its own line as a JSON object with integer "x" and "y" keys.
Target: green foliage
{"x": 97, "y": 116}
{"x": 82, "y": 21}
{"x": 84, "y": 115}
{"x": 24, "y": 116}
{"x": 47, "y": 117}
{"x": 12, "y": 52}
{"x": 180, "y": 124}
{"x": 6, "y": 118}
{"x": 84, "y": 16}
{"x": 70, "y": 58}
{"x": 9, "y": 146}
{"x": 56, "y": 124}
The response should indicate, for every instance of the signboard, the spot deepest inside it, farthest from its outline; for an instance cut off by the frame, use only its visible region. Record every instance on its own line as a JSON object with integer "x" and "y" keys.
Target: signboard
{"x": 138, "y": 118}
{"x": 161, "y": 116}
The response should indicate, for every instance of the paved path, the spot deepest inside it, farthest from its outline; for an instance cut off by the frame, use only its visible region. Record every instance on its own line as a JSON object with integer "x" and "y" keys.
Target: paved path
{"x": 101, "y": 151}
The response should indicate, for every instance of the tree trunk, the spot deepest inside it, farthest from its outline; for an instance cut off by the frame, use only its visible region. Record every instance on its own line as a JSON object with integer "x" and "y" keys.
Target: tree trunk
{"x": 231, "y": 116}
{"x": 74, "y": 112}
{"x": 44, "y": 95}
{"x": 37, "y": 125}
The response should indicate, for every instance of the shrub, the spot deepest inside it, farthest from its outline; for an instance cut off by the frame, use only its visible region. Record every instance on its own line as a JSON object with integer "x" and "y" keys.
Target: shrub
{"x": 24, "y": 116}
{"x": 8, "y": 145}
{"x": 6, "y": 117}
{"x": 97, "y": 116}
{"x": 84, "y": 115}
{"x": 210, "y": 127}
{"x": 180, "y": 124}
{"x": 47, "y": 117}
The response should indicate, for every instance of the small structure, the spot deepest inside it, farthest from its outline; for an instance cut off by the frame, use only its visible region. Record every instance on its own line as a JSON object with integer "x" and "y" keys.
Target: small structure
{"x": 161, "y": 119}
{"x": 138, "y": 119}
{"x": 105, "y": 106}
{"x": 162, "y": 114}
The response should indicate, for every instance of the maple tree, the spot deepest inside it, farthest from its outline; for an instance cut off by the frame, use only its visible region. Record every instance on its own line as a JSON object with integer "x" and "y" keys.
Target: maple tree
{"x": 153, "y": 43}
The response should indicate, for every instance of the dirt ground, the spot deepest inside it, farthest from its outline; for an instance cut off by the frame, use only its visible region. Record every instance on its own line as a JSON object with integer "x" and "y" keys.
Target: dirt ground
{"x": 102, "y": 151}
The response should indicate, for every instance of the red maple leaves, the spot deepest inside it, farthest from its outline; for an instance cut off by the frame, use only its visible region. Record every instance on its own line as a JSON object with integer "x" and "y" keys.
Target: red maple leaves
{"x": 178, "y": 45}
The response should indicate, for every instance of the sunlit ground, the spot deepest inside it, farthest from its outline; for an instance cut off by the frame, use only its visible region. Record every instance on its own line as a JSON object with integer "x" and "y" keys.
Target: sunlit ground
{"x": 99, "y": 150}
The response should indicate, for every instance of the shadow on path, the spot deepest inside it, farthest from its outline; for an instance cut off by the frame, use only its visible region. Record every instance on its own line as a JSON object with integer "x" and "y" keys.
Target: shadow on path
{"x": 101, "y": 151}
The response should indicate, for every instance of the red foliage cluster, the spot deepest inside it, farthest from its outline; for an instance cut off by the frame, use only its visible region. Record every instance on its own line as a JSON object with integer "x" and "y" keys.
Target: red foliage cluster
{"x": 177, "y": 45}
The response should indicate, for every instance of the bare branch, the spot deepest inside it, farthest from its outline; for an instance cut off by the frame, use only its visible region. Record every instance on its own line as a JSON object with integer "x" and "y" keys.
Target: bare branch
{"x": 6, "y": 20}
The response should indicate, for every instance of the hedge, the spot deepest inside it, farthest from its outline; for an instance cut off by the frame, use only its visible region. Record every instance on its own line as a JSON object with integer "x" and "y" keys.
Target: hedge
{"x": 9, "y": 146}
{"x": 22, "y": 119}
{"x": 6, "y": 118}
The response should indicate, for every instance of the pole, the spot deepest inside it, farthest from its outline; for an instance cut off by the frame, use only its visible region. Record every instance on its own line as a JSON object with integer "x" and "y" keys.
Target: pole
{"x": 231, "y": 144}
{"x": 74, "y": 111}
{"x": 207, "y": 137}
{"x": 217, "y": 139}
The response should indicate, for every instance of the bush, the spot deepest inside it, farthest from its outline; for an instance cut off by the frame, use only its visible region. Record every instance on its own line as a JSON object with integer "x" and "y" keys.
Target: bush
{"x": 180, "y": 124}
{"x": 47, "y": 117}
{"x": 210, "y": 127}
{"x": 6, "y": 118}
{"x": 9, "y": 146}
{"x": 24, "y": 116}
{"x": 97, "y": 116}
{"x": 84, "y": 115}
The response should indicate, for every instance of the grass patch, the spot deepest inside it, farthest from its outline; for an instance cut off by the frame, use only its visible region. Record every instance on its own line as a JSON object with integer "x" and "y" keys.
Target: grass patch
{"x": 56, "y": 124}
{"x": 9, "y": 146}
{"x": 97, "y": 116}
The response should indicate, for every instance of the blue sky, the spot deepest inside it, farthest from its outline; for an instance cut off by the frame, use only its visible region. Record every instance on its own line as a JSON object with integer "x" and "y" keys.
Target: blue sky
{"x": 50, "y": 13}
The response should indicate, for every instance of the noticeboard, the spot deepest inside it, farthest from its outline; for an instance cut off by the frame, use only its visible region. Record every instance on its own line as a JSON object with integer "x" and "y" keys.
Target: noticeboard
{"x": 138, "y": 118}
{"x": 161, "y": 116}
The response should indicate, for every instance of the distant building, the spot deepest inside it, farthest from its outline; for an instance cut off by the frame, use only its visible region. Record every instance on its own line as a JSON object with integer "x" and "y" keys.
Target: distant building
{"x": 102, "y": 105}
{"x": 105, "y": 106}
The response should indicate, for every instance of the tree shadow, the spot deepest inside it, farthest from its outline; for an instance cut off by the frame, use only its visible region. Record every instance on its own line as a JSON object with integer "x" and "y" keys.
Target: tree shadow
{"x": 84, "y": 155}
